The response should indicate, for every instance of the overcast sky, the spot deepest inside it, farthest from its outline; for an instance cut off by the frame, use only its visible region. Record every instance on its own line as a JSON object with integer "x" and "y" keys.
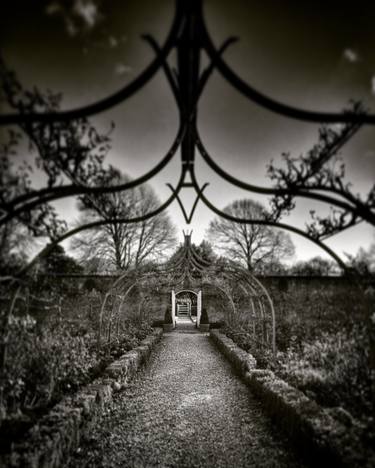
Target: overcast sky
{"x": 316, "y": 55}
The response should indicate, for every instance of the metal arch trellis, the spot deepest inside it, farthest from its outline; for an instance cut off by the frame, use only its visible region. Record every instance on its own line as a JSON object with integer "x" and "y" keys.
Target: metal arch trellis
{"x": 220, "y": 288}
{"x": 189, "y": 37}
{"x": 189, "y": 272}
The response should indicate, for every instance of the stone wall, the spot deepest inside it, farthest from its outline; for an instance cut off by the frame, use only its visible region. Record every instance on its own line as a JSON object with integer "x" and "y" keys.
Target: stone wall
{"x": 312, "y": 304}
{"x": 326, "y": 299}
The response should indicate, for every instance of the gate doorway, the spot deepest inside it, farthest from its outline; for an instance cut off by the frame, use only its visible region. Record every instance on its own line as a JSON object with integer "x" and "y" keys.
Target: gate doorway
{"x": 186, "y": 306}
{"x": 183, "y": 308}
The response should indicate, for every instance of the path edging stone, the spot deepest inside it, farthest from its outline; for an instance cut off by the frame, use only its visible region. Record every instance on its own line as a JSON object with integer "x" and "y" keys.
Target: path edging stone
{"x": 56, "y": 435}
{"x": 330, "y": 436}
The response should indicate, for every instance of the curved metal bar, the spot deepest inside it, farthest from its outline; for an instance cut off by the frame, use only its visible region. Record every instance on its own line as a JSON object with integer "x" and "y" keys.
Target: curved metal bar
{"x": 177, "y": 263}
{"x": 101, "y": 314}
{"x": 271, "y": 104}
{"x": 303, "y": 193}
{"x": 186, "y": 290}
{"x": 287, "y": 227}
{"x": 71, "y": 190}
{"x": 195, "y": 264}
{"x": 95, "y": 224}
{"x": 264, "y": 190}
{"x": 167, "y": 70}
{"x": 199, "y": 259}
{"x": 115, "y": 98}
{"x": 111, "y": 314}
{"x": 211, "y": 283}
{"x": 186, "y": 217}
{"x": 241, "y": 274}
{"x": 49, "y": 194}
{"x": 140, "y": 277}
{"x": 270, "y": 302}
{"x": 109, "y": 293}
{"x": 211, "y": 67}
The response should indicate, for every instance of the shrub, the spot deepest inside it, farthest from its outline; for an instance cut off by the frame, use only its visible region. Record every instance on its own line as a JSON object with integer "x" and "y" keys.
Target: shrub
{"x": 217, "y": 324}
{"x": 168, "y": 316}
{"x": 330, "y": 367}
{"x": 157, "y": 323}
{"x": 204, "y": 317}
{"x": 43, "y": 363}
{"x": 334, "y": 367}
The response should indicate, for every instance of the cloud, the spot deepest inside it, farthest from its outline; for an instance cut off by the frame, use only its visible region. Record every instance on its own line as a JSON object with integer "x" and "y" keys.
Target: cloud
{"x": 87, "y": 10}
{"x": 351, "y": 55}
{"x": 79, "y": 16}
{"x": 121, "y": 69}
{"x": 113, "y": 42}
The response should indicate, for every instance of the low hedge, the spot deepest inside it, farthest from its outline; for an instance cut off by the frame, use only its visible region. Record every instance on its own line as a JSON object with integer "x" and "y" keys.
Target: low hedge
{"x": 50, "y": 442}
{"x": 328, "y": 436}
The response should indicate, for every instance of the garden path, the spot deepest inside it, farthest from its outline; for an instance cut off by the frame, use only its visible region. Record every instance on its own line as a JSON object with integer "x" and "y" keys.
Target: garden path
{"x": 185, "y": 409}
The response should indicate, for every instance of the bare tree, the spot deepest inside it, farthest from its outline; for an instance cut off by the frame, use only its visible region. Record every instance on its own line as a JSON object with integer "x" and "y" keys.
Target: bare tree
{"x": 68, "y": 156}
{"x": 122, "y": 245}
{"x": 155, "y": 236}
{"x": 253, "y": 245}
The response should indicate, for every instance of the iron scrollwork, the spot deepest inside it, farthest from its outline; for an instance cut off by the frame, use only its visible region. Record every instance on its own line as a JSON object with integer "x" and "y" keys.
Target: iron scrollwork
{"x": 189, "y": 38}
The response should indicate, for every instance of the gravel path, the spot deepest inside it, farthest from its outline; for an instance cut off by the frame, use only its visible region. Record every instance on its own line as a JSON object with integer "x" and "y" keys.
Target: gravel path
{"x": 186, "y": 409}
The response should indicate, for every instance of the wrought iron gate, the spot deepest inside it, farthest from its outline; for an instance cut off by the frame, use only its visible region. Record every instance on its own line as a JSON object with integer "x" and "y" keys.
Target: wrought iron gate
{"x": 189, "y": 38}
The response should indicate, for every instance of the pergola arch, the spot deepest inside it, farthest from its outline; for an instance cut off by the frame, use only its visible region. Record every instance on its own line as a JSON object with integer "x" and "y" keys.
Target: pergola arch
{"x": 226, "y": 294}
{"x": 189, "y": 272}
{"x": 121, "y": 288}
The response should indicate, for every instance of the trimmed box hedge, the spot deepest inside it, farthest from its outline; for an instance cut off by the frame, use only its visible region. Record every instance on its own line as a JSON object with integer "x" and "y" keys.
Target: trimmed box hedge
{"x": 327, "y": 436}
{"x": 49, "y": 443}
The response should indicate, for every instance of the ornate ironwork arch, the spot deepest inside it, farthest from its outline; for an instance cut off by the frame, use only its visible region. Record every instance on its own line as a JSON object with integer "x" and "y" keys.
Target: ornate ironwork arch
{"x": 189, "y": 38}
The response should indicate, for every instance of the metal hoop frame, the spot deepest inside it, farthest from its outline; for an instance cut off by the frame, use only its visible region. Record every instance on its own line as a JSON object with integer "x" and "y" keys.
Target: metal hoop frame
{"x": 189, "y": 272}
